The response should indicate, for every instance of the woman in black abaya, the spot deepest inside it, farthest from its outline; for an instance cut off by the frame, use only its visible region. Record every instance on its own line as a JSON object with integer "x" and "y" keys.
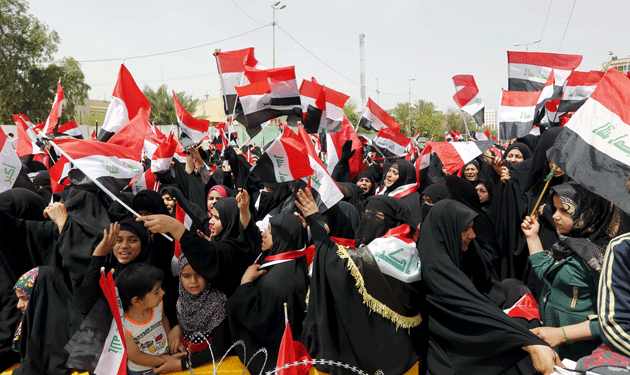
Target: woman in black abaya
{"x": 400, "y": 182}
{"x": 255, "y": 310}
{"x": 467, "y": 333}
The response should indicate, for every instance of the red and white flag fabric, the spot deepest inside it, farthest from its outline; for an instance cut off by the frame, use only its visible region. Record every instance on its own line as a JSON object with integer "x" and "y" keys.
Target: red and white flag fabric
{"x": 335, "y": 101}
{"x": 374, "y": 118}
{"x": 292, "y": 351}
{"x": 578, "y": 88}
{"x": 468, "y": 98}
{"x": 113, "y": 359}
{"x": 231, "y": 66}
{"x": 10, "y": 163}
{"x": 256, "y": 101}
{"x": 93, "y": 135}
{"x": 313, "y": 100}
{"x": 128, "y": 101}
{"x": 133, "y": 135}
{"x": 50, "y": 126}
{"x": 284, "y": 160}
{"x": 526, "y": 307}
{"x": 551, "y": 111}
{"x": 112, "y": 165}
{"x": 163, "y": 155}
{"x": 520, "y": 110}
{"x": 334, "y": 143}
{"x": 193, "y": 130}
{"x": 27, "y": 137}
{"x": 145, "y": 181}
{"x": 324, "y": 189}
{"x": 454, "y": 155}
{"x": 594, "y": 148}
{"x": 392, "y": 141}
{"x": 528, "y": 71}
{"x": 185, "y": 219}
{"x": 70, "y": 129}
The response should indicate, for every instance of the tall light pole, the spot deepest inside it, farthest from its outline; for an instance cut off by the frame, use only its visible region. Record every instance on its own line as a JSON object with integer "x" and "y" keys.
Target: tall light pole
{"x": 409, "y": 104}
{"x": 527, "y": 44}
{"x": 275, "y": 7}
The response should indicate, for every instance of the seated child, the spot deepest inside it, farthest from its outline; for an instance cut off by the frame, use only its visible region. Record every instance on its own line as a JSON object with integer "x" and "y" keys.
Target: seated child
{"x": 146, "y": 327}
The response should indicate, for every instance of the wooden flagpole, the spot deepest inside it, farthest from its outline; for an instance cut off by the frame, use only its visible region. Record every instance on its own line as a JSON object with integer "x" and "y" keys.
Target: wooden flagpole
{"x": 548, "y": 179}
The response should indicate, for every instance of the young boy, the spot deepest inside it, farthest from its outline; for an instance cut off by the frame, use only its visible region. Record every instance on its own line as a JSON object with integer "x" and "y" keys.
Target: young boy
{"x": 146, "y": 327}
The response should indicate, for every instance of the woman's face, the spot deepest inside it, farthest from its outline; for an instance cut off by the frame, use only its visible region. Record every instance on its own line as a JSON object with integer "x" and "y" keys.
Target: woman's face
{"x": 514, "y": 156}
{"x": 471, "y": 172}
{"x": 215, "y": 223}
{"x": 482, "y": 192}
{"x": 267, "y": 240}
{"x": 392, "y": 176}
{"x": 192, "y": 282}
{"x": 467, "y": 236}
{"x": 426, "y": 199}
{"x": 169, "y": 202}
{"x": 212, "y": 198}
{"x": 22, "y": 300}
{"x": 558, "y": 172}
{"x": 561, "y": 217}
{"x": 365, "y": 184}
{"x": 127, "y": 247}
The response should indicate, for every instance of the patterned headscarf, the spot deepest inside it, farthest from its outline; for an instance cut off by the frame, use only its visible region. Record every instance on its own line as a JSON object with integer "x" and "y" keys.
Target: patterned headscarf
{"x": 595, "y": 222}
{"x": 198, "y": 313}
{"x": 25, "y": 285}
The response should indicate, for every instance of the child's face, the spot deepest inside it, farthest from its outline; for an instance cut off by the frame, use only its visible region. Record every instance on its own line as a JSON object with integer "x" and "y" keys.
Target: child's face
{"x": 127, "y": 247}
{"x": 154, "y": 297}
{"x": 192, "y": 282}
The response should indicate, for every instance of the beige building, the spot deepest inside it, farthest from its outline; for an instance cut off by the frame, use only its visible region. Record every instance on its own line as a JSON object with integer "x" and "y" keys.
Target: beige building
{"x": 621, "y": 65}
{"x": 490, "y": 118}
{"x": 210, "y": 109}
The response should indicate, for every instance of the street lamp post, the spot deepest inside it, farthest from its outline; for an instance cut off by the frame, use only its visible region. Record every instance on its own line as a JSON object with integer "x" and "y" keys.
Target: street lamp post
{"x": 275, "y": 7}
{"x": 409, "y": 104}
{"x": 527, "y": 44}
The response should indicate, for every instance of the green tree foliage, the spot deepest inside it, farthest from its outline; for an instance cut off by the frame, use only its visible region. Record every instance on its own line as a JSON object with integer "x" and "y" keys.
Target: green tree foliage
{"x": 424, "y": 118}
{"x": 28, "y": 78}
{"x": 163, "y": 106}
{"x": 350, "y": 110}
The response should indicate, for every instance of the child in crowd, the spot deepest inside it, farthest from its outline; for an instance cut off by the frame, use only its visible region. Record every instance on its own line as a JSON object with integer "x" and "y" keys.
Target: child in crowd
{"x": 146, "y": 327}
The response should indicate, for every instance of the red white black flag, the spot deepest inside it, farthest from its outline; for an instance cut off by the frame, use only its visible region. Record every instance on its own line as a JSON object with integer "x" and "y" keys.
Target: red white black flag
{"x": 193, "y": 130}
{"x": 50, "y": 126}
{"x": 284, "y": 160}
{"x": 468, "y": 98}
{"x": 231, "y": 66}
{"x": 10, "y": 163}
{"x": 577, "y": 89}
{"x": 528, "y": 71}
{"x": 313, "y": 106}
{"x": 128, "y": 101}
{"x": 374, "y": 118}
{"x": 594, "y": 148}
{"x": 392, "y": 141}
{"x": 70, "y": 129}
{"x": 334, "y": 144}
{"x": 454, "y": 155}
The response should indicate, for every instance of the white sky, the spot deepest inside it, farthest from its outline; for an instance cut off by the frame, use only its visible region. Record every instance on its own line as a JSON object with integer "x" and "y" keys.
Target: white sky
{"x": 428, "y": 41}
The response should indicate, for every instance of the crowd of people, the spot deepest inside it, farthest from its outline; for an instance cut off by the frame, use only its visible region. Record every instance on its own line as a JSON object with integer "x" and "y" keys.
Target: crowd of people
{"x": 401, "y": 275}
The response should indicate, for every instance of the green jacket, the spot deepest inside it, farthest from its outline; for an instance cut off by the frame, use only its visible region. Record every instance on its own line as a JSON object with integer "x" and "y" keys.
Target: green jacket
{"x": 569, "y": 297}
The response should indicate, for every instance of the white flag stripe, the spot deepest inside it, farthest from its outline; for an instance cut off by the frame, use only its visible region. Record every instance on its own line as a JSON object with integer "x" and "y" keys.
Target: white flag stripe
{"x": 328, "y": 192}
{"x": 109, "y": 166}
{"x": 538, "y": 74}
{"x": 475, "y": 105}
{"x": 116, "y": 117}
{"x": 517, "y": 114}
{"x": 466, "y": 150}
{"x": 10, "y": 166}
{"x": 280, "y": 161}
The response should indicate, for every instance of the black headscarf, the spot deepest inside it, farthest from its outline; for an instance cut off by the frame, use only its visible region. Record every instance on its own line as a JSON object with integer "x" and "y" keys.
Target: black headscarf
{"x": 342, "y": 219}
{"x": 595, "y": 222}
{"x": 48, "y": 323}
{"x": 467, "y": 333}
{"x": 255, "y": 310}
{"x": 372, "y": 226}
{"x": 150, "y": 201}
{"x": 229, "y": 215}
{"x": 370, "y": 177}
{"x": 406, "y": 174}
{"x": 437, "y": 192}
{"x": 540, "y": 165}
{"x": 145, "y": 256}
{"x": 476, "y": 164}
{"x": 522, "y": 147}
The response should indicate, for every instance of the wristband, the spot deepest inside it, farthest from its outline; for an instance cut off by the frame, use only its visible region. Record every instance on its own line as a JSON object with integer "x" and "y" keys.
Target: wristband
{"x": 565, "y": 334}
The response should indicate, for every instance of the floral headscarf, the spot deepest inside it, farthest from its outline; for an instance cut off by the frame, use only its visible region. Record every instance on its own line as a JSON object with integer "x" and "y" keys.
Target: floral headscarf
{"x": 25, "y": 285}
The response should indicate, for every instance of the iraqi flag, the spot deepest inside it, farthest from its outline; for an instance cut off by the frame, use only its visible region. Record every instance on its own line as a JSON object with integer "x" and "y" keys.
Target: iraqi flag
{"x": 113, "y": 359}
{"x": 10, "y": 163}
{"x": 128, "y": 101}
{"x": 528, "y": 71}
{"x": 184, "y": 218}
{"x": 313, "y": 100}
{"x": 392, "y": 141}
{"x": 193, "y": 130}
{"x": 594, "y": 148}
{"x": 133, "y": 135}
{"x": 145, "y": 181}
{"x": 454, "y": 155}
{"x": 551, "y": 111}
{"x": 335, "y": 101}
{"x": 27, "y": 137}
{"x": 520, "y": 110}
{"x": 112, "y": 165}
{"x": 578, "y": 88}
{"x": 256, "y": 101}
{"x": 284, "y": 160}
{"x": 324, "y": 189}
{"x": 291, "y": 352}
{"x": 468, "y": 98}
{"x": 163, "y": 155}
{"x": 52, "y": 121}
{"x": 231, "y": 66}
{"x": 334, "y": 144}
{"x": 374, "y": 118}
{"x": 70, "y": 129}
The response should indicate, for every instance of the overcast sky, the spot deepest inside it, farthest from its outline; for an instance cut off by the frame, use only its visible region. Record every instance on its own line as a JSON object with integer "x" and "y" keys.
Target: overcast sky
{"x": 428, "y": 41}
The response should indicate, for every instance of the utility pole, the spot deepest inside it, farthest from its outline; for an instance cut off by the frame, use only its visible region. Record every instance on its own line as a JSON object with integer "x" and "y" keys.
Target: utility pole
{"x": 362, "y": 60}
{"x": 275, "y": 7}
